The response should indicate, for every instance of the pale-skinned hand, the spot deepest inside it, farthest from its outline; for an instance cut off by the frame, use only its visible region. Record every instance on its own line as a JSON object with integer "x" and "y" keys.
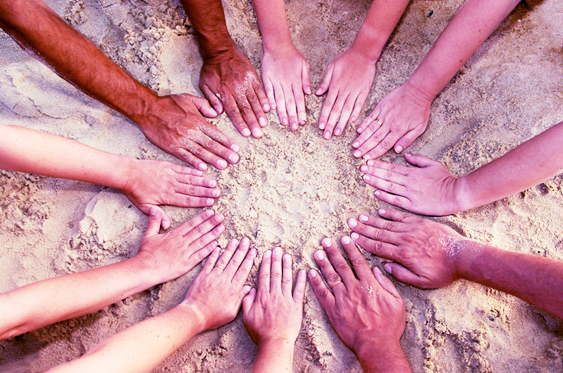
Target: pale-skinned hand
{"x": 272, "y": 313}
{"x": 285, "y": 74}
{"x": 175, "y": 124}
{"x": 427, "y": 189}
{"x": 230, "y": 83}
{"x": 396, "y": 121}
{"x": 175, "y": 253}
{"x": 348, "y": 80}
{"x": 425, "y": 252}
{"x": 216, "y": 293}
{"x": 153, "y": 183}
{"x": 362, "y": 305}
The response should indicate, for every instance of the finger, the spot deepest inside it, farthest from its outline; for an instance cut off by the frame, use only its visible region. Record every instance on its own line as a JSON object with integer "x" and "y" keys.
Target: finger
{"x": 404, "y": 275}
{"x": 202, "y": 153}
{"x": 194, "y": 222}
{"x": 276, "y": 275}
{"x": 386, "y": 186}
{"x": 196, "y": 191}
{"x": 332, "y": 278}
{"x": 300, "y": 103}
{"x": 235, "y": 115}
{"x": 379, "y": 248}
{"x": 189, "y": 201}
{"x": 247, "y": 302}
{"x": 367, "y": 121}
{"x": 280, "y": 101}
{"x": 384, "y": 146}
{"x": 269, "y": 87}
{"x": 358, "y": 261}
{"x": 202, "y": 106}
{"x": 196, "y": 180}
{"x": 299, "y": 291}
{"x": 335, "y": 113}
{"x": 244, "y": 269}
{"x": 153, "y": 225}
{"x": 291, "y": 108}
{"x": 384, "y": 174}
{"x": 258, "y": 109}
{"x": 202, "y": 253}
{"x": 367, "y": 220}
{"x": 237, "y": 257}
{"x": 397, "y": 215}
{"x": 376, "y": 231}
{"x": 338, "y": 262}
{"x": 287, "y": 276}
{"x": 249, "y": 115}
{"x": 405, "y": 141}
{"x": 223, "y": 145}
{"x": 394, "y": 200}
{"x": 264, "y": 276}
{"x": 224, "y": 260}
{"x": 327, "y": 110}
{"x": 371, "y": 137}
{"x": 324, "y": 295}
{"x": 190, "y": 159}
{"x": 387, "y": 166}
{"x": 358, "y": 106}
{"x": 263, "y": 100}
{"x": 305, "y": 76}
{"x": 207, "y": 238}
{"x": 344, "y": 116}
{"x": 187, "y": 171}
{"x": 204, "y": 228}
{"x": 210, "y": 263}
{"x": 385, "y": 282}
{"x": 326, "y": 81}
{"x": 421, "y": 161}
{"x": 212, "y": 97}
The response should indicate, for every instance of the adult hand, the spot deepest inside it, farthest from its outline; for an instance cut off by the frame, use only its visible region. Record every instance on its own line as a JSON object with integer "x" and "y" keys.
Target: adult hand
{"x": 217, "y": 292}
{"x": 153, "y": 183}
{"x": 348, "y": 80}
{"x": 396, "y": 121}
{"x": 364, "y": 308}
{"x": 272, "y": 314}
{"x": 426, "y": 252}
{"x": 174, "y": 123}
{"x": 229, "y": 82}
{"x": 174, "y": 253}
{"x": 285, "y": 74}
{"x": 427, "y": 189}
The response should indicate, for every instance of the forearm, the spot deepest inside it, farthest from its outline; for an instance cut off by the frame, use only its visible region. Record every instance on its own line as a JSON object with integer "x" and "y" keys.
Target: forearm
{"x": 382, "y": 17}
{"x": 273, "y": 24}
{"x": 274, "y": 356}
{"x": 537, "y": 280}
{"x": 527, "y": 165}
{"x": 37, "y": 28}
{"x": 208, "y": 20}
{"x": 469, "y": 28}
{"x": 27, "y": 150}
{"x": 140, "y": 347}
{"x": 61, "y": 298}
{"x": 376, "y": 358}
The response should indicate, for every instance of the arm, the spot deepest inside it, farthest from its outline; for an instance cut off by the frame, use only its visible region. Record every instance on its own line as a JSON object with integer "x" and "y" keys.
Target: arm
{"x": 429, "y": 189}
{"x": 212, "y": 301}
{"x": 404, "y": 112}
{"x": 363, "y": 306}
{"x": 432, "y": 255}
{"x": 161, "y": 257}
{"x": 349, "y": 77}
{"x": 285, "y": 72}
{"x": 272, "y": 315}
{"x": 30, "y": 151}
{"x": 227, "y": 78}
{"x": 171, "y": 122}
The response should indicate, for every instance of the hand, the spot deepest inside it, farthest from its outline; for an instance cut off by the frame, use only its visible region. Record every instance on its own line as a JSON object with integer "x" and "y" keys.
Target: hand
{"x": 272, "y": 313}
{"x": 175, "y": 253}
{"x": 217, "y": 292}
{"x": 427, "y": 189}
{"x": 174, "y": 124}
{"x": 364, "y": 308}
{"x": 229, "y": 82}
{"x": 348, "y": 80}
{"x": 396, "y": 121}
{"x": 152, "y": 183}
{"x": 285, "y": 74}
{"x": 427, "y": 251}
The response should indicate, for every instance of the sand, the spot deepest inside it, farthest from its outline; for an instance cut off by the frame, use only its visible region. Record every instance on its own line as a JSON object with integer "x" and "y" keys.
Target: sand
{"x": 289, "y": 189}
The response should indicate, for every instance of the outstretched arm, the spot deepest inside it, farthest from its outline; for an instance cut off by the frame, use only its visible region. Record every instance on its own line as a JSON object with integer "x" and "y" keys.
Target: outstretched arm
{"x": 432, "y": 255}
{"x": 349, "y": 77}
{"x": 146, "y": 183}
{"x": 285, "y": 72}
{"x": 173, "y": 123}
{"x": 161, "y": 257}
{"x": 402, "y": 115}
{"x": 213, "y": 300}
{"x": 227, "y": 78}
{"x": 429, "y": 189}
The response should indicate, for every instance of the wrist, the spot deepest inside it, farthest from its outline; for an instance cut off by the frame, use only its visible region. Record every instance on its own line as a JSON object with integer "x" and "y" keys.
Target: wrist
{"x": 368, "y": 44}
{"x": 382, "y": 357}
{"x": 463, "y": 198}
{"x": 120, "y": 170}
{"x": 194, "y": 314}
{"x": 472, "y": 252}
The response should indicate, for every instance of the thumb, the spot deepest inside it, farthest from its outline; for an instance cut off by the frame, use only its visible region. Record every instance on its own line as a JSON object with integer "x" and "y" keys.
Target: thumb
{"x": 385, "y": 282}
{"x": 403, "y": 274}
{"x": 326, "y": 82}
{"x": 248, "y": 300}
{"x": 306, "y": 81}
{"x": 419, "y": 160}
{"x": 406, "y": 141}
{"x": 155, "y": 220}
{"x": 204, "y": 107}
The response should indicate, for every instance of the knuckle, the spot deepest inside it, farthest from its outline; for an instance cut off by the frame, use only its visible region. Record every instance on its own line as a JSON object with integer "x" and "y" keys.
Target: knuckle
{"x": 390, "y": 187}
{"x": 379, "y": 234}
{"x": 386, "y": 144}
{"x": 342, "y": 266}
{"x": 376, "y": 246}
{"x": 358, "y": 260}
{"x": 323, "y": 293}
{"x": 333, "y": 278}
{"x": 388, "y": 175}
{"x": 389, "y": 225}
{"x": 397, "y": 201}
{"x": 276, "y": 275}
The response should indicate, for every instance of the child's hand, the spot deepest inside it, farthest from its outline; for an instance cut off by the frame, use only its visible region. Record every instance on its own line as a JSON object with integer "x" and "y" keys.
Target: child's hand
{"x": 348, "y": 80}
{"x": 396, "y": 121}
{"x": 427, "y": 189}
{"x": 174, "y": 253}
{"x": 272, "y": 314}
{"x": 285, "y": 74}
{"x": 217, "y": 292}
{"x": 152, "y": 183}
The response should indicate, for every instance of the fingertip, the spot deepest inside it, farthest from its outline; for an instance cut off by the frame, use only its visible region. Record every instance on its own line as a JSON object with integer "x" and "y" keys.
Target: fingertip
{"x": 268, "y": 254}
{"x": 357, "y": 154}
{"x": 263, "y": 122}
{"x": 202, "y": 166}
{"x": 363, "y": 218}
{"x": 313, "y": 273}
{"x": 382, "y": 212}
{"x": 266, "y": 108}
{"x": 257, "y": 132}
{"x": 319, "y": 255}
{"x": 377, "y": 271}
{"x": 307, "y": 90}
{"x": 352, "y": 223}
{"x": 245, "y": 132}
{"x": 388, "y": 268}
{"x": 210, "y": 201}
{"x": 235, "y": 147}
{"x": 355, "y": 236}
{"x": 326, "y": 242}
{"x": 221, "y": 164}
{"x": 153, "y": 211}
{"x": 246, "y": 289}
{"x": 398, "y": 149}
{"x": 345, "y": 240}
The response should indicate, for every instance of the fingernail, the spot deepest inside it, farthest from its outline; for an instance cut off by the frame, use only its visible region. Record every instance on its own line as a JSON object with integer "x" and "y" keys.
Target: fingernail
{"x": 322, "y": 125}
{"x": 367, "y": 156}
{"x": 326, "y": 242}
{"x": 357, "y": 153}
{"x": 222, "y": 163}
{"x": 318, "y": 92}
{"x": 352, "y": 223}
{"x": 257, "y": 132}
{"x": 399, "y": 149}
{"x": 245, "y": 241}
{"x": 234, "y": 158}
{"x": 277, "y": 251}
{"x": 377, "y": 193}
{"x": 166, "y": 224}
{"x": 262, "y": 122}
{"x": 382, "y": 212}
{"x": 353, "y": 119}
{"x": 367, "y": 178}
{"x": 326, "y": 135}
{"x": 346, "y": 240}
{"x": 356, "y": 144}
{"x": 363, "y": 218}
{"x": 371, "y": 163}
{"x": 266, "y": 107}
{"x": 246, "y": 289}
{"x": 235, "y": 148}
{"x": 253, "y": 252}
{"x": 268, "y": 254}
{"x": 246, "y": 132}
{"x": 285, "y": 121}
{"x": 337, "y": 132}
{"x": 217, "y": 108}
{"x": 308, "y": 90}
{"x": 234, "y": 242}
{"x": 313, "y": 273}
{"x": 216, "y": 193}
{"x": 355, "y": 236}
{"x": 364, "y": 168}
{"x": 287, "y": 258}
{"x": 202, "y": 166}
{"x": 320, "y": 255}
{"x": 359, "y": 130}
{"x": 376, "y": 269}
{"x": 153, "y": 211}
{"x": 388, "y": 269}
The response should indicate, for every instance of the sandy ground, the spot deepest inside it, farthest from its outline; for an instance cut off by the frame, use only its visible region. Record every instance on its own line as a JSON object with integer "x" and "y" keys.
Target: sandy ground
{"x": 289, "y": 189}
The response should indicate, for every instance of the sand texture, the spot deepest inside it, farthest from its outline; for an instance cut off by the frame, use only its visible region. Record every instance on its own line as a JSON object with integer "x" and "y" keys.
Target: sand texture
{"x": 289, "y": 189}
